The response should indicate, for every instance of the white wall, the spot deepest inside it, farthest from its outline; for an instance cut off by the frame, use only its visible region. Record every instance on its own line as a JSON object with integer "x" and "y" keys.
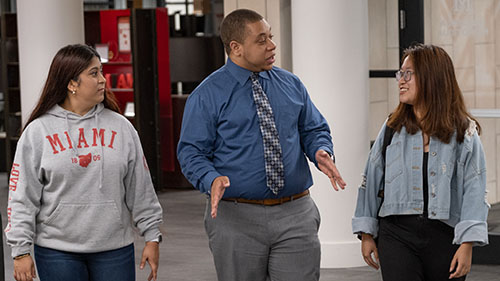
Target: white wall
{"x": 330, "y": 55}
{"x": 61, "y": 23}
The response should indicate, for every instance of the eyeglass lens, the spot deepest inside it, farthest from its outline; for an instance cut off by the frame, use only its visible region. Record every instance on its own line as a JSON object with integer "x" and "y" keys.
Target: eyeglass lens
{"x": 406, "y": 75}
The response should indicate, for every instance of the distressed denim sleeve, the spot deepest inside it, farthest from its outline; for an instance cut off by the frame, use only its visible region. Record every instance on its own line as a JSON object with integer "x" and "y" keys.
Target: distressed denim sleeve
{"x": 472, "y": 226}
{"x": 365, "y": 216}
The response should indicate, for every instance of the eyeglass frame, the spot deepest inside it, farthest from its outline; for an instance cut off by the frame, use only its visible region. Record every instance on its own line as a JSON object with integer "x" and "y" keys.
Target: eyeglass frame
{"x": 406, "y": 75}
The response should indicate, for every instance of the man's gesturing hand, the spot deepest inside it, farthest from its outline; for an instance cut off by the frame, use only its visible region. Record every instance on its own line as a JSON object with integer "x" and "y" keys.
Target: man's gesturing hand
{"x": 219, "y": 185}
{"x": 326, "y": 165}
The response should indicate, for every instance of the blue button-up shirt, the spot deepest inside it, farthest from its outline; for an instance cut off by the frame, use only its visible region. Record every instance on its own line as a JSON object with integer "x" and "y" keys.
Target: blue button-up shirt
{"x": 221, "y": 136}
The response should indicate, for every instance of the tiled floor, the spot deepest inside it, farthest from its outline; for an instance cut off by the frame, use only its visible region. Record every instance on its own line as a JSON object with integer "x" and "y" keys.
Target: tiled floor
{"x": 185, "y": 255}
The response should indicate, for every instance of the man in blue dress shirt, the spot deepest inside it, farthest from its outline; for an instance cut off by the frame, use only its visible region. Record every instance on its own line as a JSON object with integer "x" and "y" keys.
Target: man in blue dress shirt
{"x": 260, "y": 220}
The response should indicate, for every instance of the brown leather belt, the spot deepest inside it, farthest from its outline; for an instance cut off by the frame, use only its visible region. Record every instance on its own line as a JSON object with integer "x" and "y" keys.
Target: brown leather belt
{"x": 269, "y": 201}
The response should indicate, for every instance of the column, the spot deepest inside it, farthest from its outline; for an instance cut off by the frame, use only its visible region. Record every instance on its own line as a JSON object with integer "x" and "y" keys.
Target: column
{"x": 330, "y": 56}
{"x": 43, "y": 28}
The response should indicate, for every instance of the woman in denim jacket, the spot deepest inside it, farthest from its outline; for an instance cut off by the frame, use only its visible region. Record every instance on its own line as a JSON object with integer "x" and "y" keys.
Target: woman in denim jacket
{"x": 432, "y": 208}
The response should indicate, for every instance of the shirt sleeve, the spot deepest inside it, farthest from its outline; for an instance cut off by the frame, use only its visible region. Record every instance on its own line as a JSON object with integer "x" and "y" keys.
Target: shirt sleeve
{"x": 368, "y": 203}
{"x": 25, "y": 191}
{"x": 313, "y": 128}
{"x": 140, "y": 195}
{"x": 472, "y": 226}
{"x": 196, "y": 143}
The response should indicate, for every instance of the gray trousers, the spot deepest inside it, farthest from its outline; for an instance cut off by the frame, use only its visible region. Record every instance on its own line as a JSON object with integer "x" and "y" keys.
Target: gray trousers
{"x": 252, "y": 242}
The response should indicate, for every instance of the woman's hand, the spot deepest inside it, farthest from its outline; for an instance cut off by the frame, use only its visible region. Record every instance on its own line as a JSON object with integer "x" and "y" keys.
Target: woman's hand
{"x": 151, "y": 254}
{"x": 24, "y": 269}
{"x": 368, "y": 247}
{"x": 461, "y": 260}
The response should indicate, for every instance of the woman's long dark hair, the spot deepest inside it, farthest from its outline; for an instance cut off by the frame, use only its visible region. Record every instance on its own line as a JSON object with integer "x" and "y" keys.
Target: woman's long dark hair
{"x": 67, "y": 65}
{"x": 438, "y": 98}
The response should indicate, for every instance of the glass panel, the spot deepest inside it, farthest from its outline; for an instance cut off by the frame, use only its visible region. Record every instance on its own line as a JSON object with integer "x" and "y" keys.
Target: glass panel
{"x": 383, "y": 34}
{"x": 174, "y": 8}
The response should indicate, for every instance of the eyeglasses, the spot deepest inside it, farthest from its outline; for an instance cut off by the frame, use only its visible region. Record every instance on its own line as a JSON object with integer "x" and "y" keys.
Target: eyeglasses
{"x": 406, "y": 75}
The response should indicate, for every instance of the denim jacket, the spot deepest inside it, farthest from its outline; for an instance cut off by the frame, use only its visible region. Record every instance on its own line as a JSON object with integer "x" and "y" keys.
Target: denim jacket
{"x": 456, "y": 179}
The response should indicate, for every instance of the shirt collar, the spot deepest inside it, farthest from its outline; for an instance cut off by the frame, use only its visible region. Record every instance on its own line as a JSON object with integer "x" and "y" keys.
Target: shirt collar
{"x": 241, "y": 74}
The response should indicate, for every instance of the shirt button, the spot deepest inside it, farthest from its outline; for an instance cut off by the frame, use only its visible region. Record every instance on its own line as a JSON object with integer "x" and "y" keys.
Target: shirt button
{"x": 434, "y": 153}
{"x": 433, "y": 173}
{"x": 433, "y": 195}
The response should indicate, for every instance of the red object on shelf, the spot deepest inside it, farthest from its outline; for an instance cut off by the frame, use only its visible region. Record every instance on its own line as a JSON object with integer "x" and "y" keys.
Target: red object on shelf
{"x": 110, "y": 33}
{"x": 122, "y": 82}
{"x": 107, "y": 76}
{"x": 120, "y": 63}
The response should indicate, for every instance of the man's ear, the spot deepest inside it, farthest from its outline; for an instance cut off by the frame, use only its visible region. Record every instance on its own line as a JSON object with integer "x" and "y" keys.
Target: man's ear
{"x": 236, "y": 48}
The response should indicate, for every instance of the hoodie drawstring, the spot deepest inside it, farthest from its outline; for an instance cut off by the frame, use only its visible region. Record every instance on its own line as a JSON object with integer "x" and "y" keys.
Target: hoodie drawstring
{"x": 74, "y": 144}
{"x": 101, "y": 177}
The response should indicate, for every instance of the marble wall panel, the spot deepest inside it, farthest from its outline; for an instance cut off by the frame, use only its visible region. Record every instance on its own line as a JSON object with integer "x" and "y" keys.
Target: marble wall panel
{"x": 378, "y": 114}
{"x": 378, "y": 89}
{"x": 377, "y": 34}
{"x": 485, "y": 76}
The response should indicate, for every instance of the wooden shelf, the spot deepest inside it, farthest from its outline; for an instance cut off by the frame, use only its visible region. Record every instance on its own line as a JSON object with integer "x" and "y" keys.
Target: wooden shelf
{"x": 9, "y": 62}
{"x": 117, "y": 63}
{"x": 118, "y": 90}
{"x": 110, "y": 4}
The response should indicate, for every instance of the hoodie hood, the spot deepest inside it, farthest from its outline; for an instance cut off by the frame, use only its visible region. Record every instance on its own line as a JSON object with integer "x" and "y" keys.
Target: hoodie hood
{"x": 58, "y": 111}
{"x": 70, "y": 117}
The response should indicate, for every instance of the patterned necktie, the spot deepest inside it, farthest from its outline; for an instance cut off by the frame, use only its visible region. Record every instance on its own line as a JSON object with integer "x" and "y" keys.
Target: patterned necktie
{"x": 272, "y": 149}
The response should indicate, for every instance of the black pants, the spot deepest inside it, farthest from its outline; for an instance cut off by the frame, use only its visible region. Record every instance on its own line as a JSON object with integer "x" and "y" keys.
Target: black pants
{"x": 415, "y": 248}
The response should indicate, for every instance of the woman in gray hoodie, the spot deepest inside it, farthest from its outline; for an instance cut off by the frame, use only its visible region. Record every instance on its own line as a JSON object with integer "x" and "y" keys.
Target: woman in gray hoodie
{"x": 79, "y": 183}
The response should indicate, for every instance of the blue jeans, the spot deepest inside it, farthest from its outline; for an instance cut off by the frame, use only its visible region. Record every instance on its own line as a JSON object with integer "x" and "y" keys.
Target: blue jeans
{"x": 54, "y": 265}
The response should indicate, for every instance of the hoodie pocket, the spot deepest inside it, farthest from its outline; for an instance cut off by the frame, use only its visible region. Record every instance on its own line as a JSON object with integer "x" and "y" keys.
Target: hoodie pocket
{"x": 85, "y": 223}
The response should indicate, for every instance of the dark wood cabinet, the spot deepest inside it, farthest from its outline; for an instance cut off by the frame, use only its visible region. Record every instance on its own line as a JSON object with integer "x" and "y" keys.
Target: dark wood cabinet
{"x": 11, "y": 114}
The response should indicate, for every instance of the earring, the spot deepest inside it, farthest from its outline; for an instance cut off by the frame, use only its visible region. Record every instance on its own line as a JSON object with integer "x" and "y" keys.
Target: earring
{"x": 73, "y": 92}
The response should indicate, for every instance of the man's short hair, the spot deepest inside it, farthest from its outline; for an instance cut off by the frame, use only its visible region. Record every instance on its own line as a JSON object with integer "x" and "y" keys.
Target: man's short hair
{"x": 233, "y": 26}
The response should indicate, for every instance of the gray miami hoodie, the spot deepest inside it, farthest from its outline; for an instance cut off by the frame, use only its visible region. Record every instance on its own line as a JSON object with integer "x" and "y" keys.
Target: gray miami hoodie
{"x": 80, "y": 184}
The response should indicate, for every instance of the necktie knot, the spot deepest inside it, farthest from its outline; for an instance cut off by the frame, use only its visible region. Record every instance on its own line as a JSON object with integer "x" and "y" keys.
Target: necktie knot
{"x": 254, "y": 76}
